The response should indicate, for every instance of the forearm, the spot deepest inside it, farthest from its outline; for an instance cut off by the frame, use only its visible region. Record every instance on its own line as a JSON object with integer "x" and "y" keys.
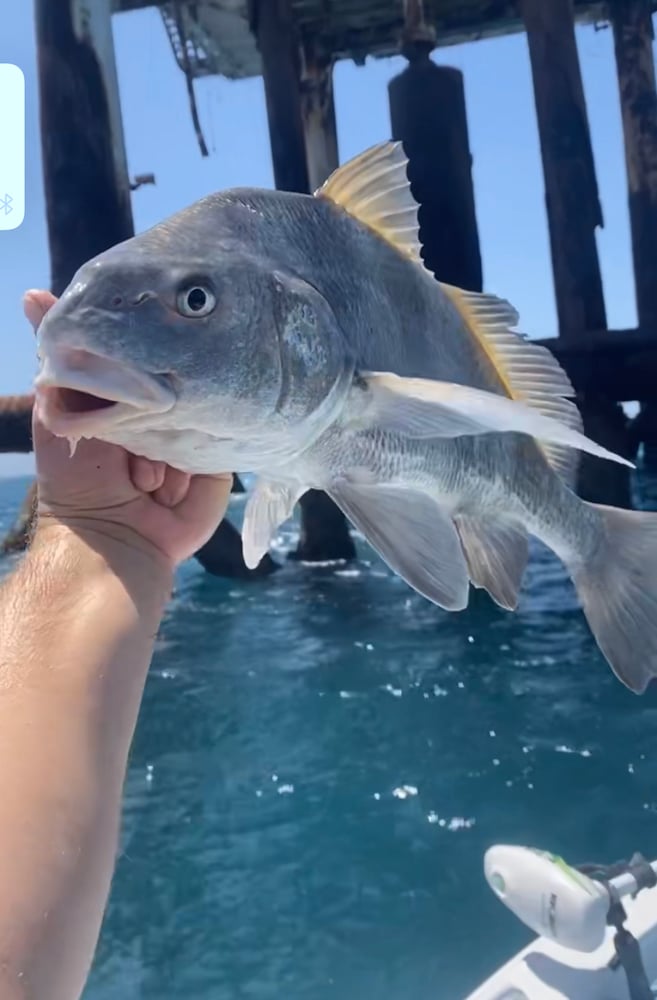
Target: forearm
{"x": 76, "y": 638}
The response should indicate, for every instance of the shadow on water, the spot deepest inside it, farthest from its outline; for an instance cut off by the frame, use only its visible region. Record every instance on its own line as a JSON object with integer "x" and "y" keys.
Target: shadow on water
{"x": 322, "y": 759}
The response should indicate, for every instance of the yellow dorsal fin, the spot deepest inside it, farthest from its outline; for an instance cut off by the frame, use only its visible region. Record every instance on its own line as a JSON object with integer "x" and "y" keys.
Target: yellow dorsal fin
{"x": 373, "y": 187}
{"x": 528, "y": 371}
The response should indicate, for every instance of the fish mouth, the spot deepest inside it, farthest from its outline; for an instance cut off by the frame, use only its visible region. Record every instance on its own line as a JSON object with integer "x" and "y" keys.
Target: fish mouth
{"x": 78, "y": 393}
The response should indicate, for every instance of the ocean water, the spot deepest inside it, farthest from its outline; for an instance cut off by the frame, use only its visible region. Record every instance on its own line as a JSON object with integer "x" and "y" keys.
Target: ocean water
{"x": 321, "y": 761}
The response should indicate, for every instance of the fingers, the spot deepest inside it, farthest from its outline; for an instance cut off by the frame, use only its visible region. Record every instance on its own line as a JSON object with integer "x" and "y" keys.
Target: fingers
{"x": 146, "y": 476}
{"x": 208, "y": 496}
{"x": 36, "y": 304}
{"x": 197, "y": 495}
{"x": 174, "y": 487}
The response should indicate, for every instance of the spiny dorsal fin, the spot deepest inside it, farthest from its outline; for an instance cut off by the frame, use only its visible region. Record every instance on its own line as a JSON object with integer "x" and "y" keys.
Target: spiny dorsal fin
{"x": 374, "y": 188}
{"x": 528, "y": 371}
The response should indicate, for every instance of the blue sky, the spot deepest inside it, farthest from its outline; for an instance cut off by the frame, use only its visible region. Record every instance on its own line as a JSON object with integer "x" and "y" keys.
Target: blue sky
{"x": 160, "y": 139}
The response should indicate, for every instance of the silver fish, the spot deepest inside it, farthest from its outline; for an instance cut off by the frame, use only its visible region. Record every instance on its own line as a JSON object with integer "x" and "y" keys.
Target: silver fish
{"x": 301, "y": 338}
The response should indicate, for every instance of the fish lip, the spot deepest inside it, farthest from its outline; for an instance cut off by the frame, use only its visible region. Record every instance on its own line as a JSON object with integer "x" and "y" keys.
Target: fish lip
{"x": 130, "y": 393}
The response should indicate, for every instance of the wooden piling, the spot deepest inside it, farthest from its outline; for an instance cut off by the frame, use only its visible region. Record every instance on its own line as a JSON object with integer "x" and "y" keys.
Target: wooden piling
{"x": 571, "y": 191}
{"x": 318, "y": 116}
{"x": 85, "y": 174}
{"x": 633, "y": 37}
{"x": 222, "y": 555}
{"x": 633, "y": 46}
{"x": 274, "y": 29}
{"x": 574, "y": 213}
{"x": 428, "y": 114}
{"x": 303, "y": 136}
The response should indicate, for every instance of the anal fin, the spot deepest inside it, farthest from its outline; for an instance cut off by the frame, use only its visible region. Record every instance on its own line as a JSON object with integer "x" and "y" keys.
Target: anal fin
{"x": 496, "y": 552}
{"x": 413, "y": 535}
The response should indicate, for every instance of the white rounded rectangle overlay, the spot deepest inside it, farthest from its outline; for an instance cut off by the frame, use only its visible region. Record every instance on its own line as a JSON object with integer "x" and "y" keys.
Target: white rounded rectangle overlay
{"x": 12, "y": 146}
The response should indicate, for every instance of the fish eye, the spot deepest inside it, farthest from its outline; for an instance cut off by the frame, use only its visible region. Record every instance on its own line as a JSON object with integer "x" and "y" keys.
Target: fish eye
{"x": 196, "y": 300}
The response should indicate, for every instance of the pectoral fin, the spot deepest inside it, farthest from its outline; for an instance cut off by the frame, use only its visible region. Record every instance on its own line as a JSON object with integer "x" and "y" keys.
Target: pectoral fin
{"x": 417, "y": 407}
{"x": 414, "y": 536}
{"x": 496, "y": 553}
{"x": 269, "y": 505}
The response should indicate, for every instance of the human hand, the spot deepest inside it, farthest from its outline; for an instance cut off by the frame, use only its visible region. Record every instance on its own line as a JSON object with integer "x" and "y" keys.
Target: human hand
{"x": 105, "y": 490}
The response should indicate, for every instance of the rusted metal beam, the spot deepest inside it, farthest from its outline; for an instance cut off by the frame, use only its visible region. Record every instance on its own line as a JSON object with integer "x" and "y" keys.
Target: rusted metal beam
{"x": 571, "y": 191}
{"x": 357, "y": 29}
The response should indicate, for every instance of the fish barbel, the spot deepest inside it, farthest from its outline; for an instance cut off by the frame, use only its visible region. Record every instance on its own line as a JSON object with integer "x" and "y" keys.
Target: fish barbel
{"x": 301, "y": 338}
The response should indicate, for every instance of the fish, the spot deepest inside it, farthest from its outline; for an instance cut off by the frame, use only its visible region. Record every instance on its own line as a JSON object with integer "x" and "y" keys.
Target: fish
{"x": 301, "y": 338}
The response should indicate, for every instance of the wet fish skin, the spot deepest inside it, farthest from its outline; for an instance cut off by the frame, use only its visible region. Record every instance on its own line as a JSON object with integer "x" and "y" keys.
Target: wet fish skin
{"x": 236, "y": 368}
{"x": 281, "y": 378}
{"x": 492, "y": 477}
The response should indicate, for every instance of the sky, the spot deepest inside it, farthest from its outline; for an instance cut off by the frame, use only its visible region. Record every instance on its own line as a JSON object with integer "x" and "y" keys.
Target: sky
{"x": 507, "y": 172}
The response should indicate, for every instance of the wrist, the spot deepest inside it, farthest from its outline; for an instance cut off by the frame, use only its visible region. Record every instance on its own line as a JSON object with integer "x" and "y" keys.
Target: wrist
{"x": 91, "y": 548}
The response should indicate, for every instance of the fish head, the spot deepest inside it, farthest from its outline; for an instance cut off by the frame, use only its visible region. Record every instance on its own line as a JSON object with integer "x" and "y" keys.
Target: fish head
{"x": 153, "y": 341}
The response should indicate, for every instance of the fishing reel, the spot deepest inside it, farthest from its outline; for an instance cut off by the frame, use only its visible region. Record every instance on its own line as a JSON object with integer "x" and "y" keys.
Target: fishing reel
{"x": 574, "y": 906}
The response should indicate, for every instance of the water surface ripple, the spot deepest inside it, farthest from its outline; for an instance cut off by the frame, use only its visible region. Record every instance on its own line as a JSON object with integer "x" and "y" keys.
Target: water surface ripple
{"x": 322, "y": 759}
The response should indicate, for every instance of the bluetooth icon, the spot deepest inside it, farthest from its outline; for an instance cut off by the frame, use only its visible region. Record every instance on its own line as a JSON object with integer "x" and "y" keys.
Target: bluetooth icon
{"x": 6, "y": 204}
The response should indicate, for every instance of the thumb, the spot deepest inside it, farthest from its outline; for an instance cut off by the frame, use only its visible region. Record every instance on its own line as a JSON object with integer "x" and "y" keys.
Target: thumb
{"x": 36, "y": 304}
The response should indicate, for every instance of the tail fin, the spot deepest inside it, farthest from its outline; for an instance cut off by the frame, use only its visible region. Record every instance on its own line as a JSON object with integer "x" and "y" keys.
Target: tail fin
{"x": 618, "y": 592}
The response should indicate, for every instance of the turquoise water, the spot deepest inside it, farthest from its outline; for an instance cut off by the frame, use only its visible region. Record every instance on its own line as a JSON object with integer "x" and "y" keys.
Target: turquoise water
{"x": 322, "y": 759}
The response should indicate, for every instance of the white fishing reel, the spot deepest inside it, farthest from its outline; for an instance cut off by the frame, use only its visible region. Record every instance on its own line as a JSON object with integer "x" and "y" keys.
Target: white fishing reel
{"x": 559, "y": 902}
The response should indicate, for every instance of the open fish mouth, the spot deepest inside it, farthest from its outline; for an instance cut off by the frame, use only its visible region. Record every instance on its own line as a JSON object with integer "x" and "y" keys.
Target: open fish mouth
{"x": 78, "y": 393}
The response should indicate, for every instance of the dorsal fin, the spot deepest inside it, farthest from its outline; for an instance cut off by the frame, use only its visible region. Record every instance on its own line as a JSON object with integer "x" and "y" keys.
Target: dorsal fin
{"x": 528, "y": 371}
{"x": 373, "y": 187}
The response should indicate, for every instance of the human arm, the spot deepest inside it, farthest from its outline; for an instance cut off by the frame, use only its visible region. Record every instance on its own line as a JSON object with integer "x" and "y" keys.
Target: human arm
{"x": 78, "y": 620}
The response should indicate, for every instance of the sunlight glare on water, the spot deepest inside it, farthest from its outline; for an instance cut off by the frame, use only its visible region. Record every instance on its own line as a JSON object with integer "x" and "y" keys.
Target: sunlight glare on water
{"x": 322, "y": 759}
